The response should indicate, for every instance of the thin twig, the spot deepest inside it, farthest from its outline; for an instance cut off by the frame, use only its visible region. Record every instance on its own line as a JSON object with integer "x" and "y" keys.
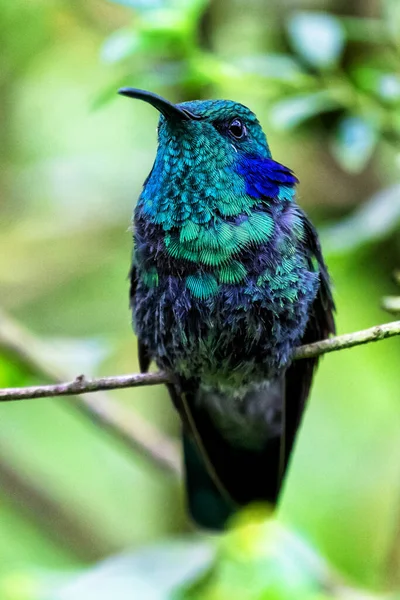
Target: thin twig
{"x": 81, "y": 385}
{"x": 348, "y": 340}
{"x": 123, "y": 423}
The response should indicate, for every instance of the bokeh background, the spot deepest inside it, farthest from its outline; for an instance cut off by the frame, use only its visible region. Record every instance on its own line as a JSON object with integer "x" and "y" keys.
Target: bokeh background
{"x": 324, "y": 78}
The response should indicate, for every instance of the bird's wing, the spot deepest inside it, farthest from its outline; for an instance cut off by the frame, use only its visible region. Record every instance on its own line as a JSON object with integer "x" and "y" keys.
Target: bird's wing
{"x": 144, "y": 357}
{"x": 320, "y": 325}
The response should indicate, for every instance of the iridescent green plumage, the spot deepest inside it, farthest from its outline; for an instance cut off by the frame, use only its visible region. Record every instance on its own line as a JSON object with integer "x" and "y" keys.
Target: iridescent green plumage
{"x": 227, "y": 280}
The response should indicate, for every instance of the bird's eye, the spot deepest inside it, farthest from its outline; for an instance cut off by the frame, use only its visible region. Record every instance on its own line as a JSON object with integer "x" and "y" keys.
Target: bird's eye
{"x": 237, "y": 129}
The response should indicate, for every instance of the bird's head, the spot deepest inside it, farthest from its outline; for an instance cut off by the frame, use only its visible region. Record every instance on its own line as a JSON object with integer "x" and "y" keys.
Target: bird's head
{"x": 213, "y": 127}
{"x": 212, "y": 154}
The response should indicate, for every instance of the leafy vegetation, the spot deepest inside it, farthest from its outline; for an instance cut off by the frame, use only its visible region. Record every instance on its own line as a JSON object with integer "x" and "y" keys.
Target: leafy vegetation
{"x": 327, "y": 89}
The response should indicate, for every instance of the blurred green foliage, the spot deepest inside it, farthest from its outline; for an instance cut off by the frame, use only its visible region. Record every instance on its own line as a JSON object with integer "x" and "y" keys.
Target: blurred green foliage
{"x": 325, "y": 83}
{"x": 321, "y": 71}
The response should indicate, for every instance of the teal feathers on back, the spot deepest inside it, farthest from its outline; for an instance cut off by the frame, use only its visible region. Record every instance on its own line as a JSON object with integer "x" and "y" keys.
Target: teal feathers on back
{"x": 227, "y": 279}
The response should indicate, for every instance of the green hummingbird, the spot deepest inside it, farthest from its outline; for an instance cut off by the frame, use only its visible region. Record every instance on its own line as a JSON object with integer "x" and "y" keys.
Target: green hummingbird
{"x": 227, "y": 280}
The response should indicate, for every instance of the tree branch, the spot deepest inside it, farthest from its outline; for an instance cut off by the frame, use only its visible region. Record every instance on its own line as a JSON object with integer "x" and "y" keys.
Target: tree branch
{"x": 123, "y": 423}
{"x": 81, "y": 385}
{"x": 348, "y": 340}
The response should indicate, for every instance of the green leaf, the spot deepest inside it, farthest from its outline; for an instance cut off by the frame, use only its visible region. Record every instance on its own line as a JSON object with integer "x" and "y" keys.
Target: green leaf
{"x": 30, "y": 584}
{"x": 141, "y": 4}
{"x": 389, "y": 87}
{"x": 120, "y": 45}
{"x": 280, "y": 67}
{"x": 293, "y": 111}
{"x": 384, "y": 84}
{"x": 192, "y": 7}
{"x": 151, "y": 574}
{"x": 374, "y": 220}
{"x": 362, "y": 29}
{"x": 259, "y": 558}
{"x": 354, "y": 142}
{"x": 319, "y": 38}
{"x": 391, "y": 11}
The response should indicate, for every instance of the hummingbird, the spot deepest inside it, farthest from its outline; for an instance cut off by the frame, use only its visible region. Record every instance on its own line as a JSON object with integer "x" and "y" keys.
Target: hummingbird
{"x": 227, "y": 279}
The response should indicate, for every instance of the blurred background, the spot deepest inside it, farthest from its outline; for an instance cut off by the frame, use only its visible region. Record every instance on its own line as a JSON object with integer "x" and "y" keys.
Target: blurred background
{"x": 78, "y": 487}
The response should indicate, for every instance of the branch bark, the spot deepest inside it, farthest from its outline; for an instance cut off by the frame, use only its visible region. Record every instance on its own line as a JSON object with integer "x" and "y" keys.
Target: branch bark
{"x": 81, "y": 385}
{"x": 348, "y": 340}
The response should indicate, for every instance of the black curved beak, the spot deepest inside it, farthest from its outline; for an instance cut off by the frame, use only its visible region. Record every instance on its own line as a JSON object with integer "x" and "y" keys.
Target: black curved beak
{"x": 169, "y": 110}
